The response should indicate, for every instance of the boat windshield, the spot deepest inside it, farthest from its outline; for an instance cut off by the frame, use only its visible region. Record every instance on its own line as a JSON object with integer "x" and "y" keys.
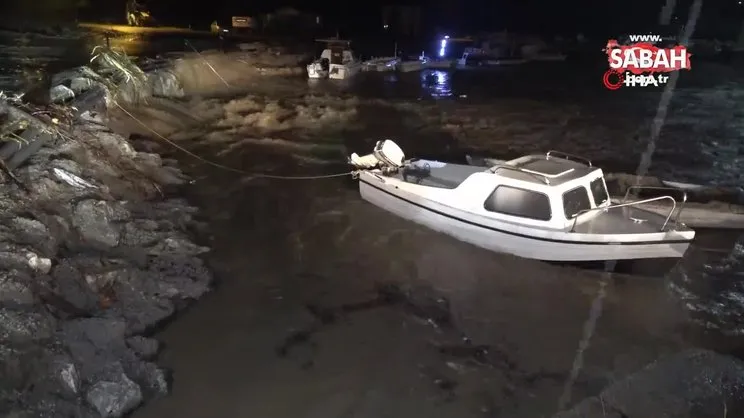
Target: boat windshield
{"x": 599, "y": 191}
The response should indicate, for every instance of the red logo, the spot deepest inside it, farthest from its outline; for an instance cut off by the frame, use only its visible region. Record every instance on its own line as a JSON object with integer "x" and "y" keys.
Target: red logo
{"x": 642, "y": 64}
{"x": 644, "y": 57}
{"x": 613, "y": 79}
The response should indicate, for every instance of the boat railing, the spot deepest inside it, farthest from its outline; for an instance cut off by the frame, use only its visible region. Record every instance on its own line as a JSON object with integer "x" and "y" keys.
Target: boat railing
{"x": 567, "y": 156}
{"x": 629, "y": 204}
{"x": 541, "y": 177}
{"x": 681, "y": 204}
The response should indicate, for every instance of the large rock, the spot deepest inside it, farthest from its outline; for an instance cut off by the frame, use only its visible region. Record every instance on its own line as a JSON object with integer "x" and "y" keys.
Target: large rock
{"x": 691, "y": 384}
{"x": 25, "y": 326}
{"x": 61, "y": 94}
{"x": 71, "y": 286}
{"x": 114, "y": 395}
{"x": 145, "y": 348}
{"x": 93, "y": 220}
{"x": 14, "y": 288}
{"x": 94, "y": 343}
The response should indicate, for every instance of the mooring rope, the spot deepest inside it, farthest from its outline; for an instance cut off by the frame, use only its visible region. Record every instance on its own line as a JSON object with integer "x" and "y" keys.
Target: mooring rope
{"x": 227, "y": 168}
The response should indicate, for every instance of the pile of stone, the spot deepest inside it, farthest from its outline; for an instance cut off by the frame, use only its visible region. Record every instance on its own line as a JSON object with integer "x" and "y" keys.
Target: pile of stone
{"x": 93, "y": 256}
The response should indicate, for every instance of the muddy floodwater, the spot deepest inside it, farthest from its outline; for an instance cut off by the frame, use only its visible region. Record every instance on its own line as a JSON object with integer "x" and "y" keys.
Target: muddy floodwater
{"x": 329, "y": 307}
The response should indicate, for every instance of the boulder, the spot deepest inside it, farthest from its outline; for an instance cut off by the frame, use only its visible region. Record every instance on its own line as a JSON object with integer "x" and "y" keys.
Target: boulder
{"x": 92, "y": 219}
{"x": 61, "y": 94}
{"x": 115, "y": 396}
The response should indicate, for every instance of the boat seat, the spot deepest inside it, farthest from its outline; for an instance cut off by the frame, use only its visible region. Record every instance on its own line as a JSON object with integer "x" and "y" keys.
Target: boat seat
{"x": 435, "y": 174}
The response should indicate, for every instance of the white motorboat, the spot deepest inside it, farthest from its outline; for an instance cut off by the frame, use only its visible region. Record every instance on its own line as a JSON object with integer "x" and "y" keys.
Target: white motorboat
{"x": 409, "y": 66}
{"x": 472, "y": 57}
{"x": 477, "y": 57}
{"x": 318, "y": 68}
{"x": 552, "y": 206}
{"x": 439, "y": 64}
{"x": 336, "y": 62}
{"x": 380, "y": 64}
{"x": 413, "y": 63}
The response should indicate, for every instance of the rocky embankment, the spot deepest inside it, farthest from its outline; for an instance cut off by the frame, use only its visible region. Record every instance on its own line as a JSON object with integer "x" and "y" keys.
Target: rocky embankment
{"x": 94, "y": 254}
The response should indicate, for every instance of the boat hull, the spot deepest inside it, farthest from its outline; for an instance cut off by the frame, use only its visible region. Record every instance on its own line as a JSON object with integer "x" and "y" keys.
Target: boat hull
{"x": 316, "y": 71}
{"x": 440, "y": 64}
{"x": 410, "y": 66}
{"x": 380, "y": 65}
{"x": 519, "y": 244}
{"x": 344, "y": 71}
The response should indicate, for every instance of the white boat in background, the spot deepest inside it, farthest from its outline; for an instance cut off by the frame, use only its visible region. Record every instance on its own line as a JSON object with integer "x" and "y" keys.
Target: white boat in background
{"x": 439, "y": 64}
{"x": 408, "y": 66}
{"x": 478, "y": 57}
{"x": 423, "y": 62}
{"x": 336, "y": 62}
{"x": 380, "y": 64}
{"x": 318, "y": 68}
{"x": 552, "y": 206}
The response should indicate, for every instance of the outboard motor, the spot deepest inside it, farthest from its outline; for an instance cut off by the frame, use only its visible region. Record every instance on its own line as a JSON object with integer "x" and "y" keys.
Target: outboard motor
{"x": 325, "y": 64}
{"x": 387, "y": 155}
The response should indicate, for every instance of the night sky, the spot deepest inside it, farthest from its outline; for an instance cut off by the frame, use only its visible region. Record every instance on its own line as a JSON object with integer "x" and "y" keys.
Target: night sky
{"x": 567, "y": 17}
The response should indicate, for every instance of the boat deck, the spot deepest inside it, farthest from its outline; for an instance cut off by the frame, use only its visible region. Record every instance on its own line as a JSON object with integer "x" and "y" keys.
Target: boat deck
{"x": 625, "y": 220}
{"x": 436, "y": 174}
{"x": 534, "y": 169}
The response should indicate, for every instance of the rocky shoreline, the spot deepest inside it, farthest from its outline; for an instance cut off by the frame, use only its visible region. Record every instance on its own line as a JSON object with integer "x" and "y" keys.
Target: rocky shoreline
{"x": 95, "y": 254}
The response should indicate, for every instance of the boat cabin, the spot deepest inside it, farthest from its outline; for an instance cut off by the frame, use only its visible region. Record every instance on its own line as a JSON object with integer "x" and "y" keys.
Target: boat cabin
{"x": 337, "y": 52}
{"x": 549, "y": 190}
{"x": 473, "y": 56}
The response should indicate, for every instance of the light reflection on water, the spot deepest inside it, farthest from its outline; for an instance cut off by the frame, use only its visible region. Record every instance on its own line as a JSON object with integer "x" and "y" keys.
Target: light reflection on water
{"x": 436, "y": 83}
